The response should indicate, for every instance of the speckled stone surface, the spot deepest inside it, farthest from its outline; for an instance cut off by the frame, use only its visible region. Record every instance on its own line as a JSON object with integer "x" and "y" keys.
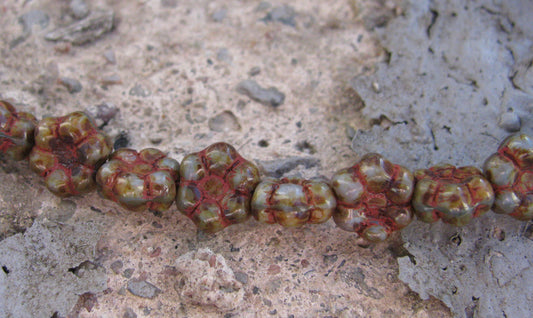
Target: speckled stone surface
{"x": 171, "y": 68}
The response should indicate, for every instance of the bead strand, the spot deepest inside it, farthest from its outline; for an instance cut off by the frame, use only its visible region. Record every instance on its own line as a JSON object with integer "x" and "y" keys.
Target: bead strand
{"x": 217, "y": 187}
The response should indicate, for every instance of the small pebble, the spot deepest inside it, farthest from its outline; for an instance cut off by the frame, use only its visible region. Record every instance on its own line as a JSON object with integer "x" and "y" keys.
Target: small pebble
{"x": 509, "y": 121}
{"x": 109, "y": 55}
{"x": 79, "y": 9}
{"x": 122, "y": 141}
{"x": 219, "y": 15}
{"x": 224, "y": 122}
{"x": 129, "y": 313}
{"x": 169, "y": 3}
{"x": 128, "y": 272}
{"x": 31, "y": 18}
{"x": 73, "y": 85}
{"x": 113, "y": 79}
{"x": 267, "y": 96}
{"x": 284, "y": 14}
{"x": 102, "y": 113}
{"x": 139, "y": 90}
{"x": 254, "y": 71}
{"x": 224, "y": 55}
{"x": 143, "y": 289}
{"x": 116, "y": 266}
{"x": 241, "y": 277}
{"x": 87, "y": 30}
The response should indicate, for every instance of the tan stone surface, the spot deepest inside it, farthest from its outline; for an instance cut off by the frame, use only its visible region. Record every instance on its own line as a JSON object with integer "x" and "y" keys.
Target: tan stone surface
{"x": 313, "y": 271}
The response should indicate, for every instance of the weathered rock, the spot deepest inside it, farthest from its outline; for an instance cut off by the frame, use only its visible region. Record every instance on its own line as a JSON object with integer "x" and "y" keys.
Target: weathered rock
{"x": 268, "y": 96}
{"x": 143, "y": 288}
{"x": 46, "y": 268}
{"x": 87, "y": 30}
{"x": 207, "y": 280}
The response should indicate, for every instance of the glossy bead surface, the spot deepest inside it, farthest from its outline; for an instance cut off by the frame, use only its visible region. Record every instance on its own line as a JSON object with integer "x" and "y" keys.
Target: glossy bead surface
{"x": 373, "y": 198}
{"x": 139, "y": 180}
{"x": 216, "y": 187}
{"x": 510, "y": 170}
{"x": 455, "y": 195}
{"x": 67, "y": 152}
{"x": 292, "y": 202}
{"x": 16, "y": 132}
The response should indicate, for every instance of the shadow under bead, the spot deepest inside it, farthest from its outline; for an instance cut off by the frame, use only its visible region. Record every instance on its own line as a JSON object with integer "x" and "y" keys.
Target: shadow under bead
{"x": 139, "y": 180}
{"x": 373, "y": 198}
{"x": 16, "y": 132}
{"x": 216, "y": 187}
{"x": 510, "y": 170}
{"x": 292, "y": 202}
{"x": 455, "y": 195}
{"x": 68, "y": 150}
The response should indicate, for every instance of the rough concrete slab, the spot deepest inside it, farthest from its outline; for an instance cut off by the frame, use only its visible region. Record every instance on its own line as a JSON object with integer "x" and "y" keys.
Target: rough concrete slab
{"x": 171, "y": 67}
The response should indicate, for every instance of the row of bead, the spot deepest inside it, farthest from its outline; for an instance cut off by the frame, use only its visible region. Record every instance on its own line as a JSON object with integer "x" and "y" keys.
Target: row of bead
{"x": 217, "y": 187}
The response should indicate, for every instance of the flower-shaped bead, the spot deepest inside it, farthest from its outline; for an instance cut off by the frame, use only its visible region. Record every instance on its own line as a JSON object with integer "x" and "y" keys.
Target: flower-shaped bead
{"x": 139, "y": 180}
{"x": 216, "y": 187}
{"x": 292, "y": 202}
{"x": 455, "y": 195}
{"x": 16, "y": 132}
{"x": 68, "y": 150}
{"x": 373, "y": 198}
{"x": 510, "y": 170}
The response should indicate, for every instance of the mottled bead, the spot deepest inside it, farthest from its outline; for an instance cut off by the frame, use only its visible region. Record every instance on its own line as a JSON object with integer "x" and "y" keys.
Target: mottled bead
{"x": 216, "y": 187}
{"x": 139, "y": 180}
{"x": 510, "y": 170}
{"x": 16, "y": 132}
{"x": 292, "y": 202}
{"x": 455, "y": 195}
{"x": 373, "y": 198}
{"x": 68, "y": 150}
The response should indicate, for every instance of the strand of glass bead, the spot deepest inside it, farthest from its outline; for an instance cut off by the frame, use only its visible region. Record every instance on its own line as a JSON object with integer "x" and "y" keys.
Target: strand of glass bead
{"x": 217, "y": 187}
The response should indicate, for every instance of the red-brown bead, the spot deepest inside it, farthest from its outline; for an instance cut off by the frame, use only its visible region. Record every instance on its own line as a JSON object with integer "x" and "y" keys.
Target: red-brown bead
{"x": 510, "y": 170}
{"x": 16, "y": 131}
{"x": 216, "y": 187}
{"x": 455, "y": 195}
{"x": 67, "y": 152}
{"x": 373, "y": 198}
{"x": 139, "y": 180}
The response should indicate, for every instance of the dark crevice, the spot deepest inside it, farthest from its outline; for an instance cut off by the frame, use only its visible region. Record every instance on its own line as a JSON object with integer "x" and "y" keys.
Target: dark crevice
{"x": 434, "y": 16}
{"x": 5, "y": 269}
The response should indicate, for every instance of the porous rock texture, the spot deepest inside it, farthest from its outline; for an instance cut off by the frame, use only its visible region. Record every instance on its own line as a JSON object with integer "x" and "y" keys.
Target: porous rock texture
{"x": 454, "y": 69}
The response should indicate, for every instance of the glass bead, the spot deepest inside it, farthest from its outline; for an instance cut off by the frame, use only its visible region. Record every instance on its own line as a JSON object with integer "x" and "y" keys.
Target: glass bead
{"x": 68, "y": 150}
{"x": 292, "y": 202}
{"x": 510, "y": 170}
{"x": 373, "y": 198}
{"x": 455, "y": 195}
{"x": 16, "y": 132}
{"x": 139, "y": 180}
{"x": 216, "y": 187}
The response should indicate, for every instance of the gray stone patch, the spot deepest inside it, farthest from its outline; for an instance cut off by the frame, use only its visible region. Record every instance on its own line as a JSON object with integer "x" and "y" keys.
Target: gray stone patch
{"x": 47, "y": 268}
{"x": 143, "y": 289}
{"x": 87, "y": 30}
{"x": 440, "y": 97}
{"x": 33, "y": 17}
{"x": 223, "y": 122}
{"x": 139, "y": 90}
{"x": 284, "y": 14}
{"x": 79, "y": 8}
{"x": 268, "y": 96}
{"x": 278, "y": 168}
{"x": 73, "y": 85}
{"x": 219, "y": 15}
